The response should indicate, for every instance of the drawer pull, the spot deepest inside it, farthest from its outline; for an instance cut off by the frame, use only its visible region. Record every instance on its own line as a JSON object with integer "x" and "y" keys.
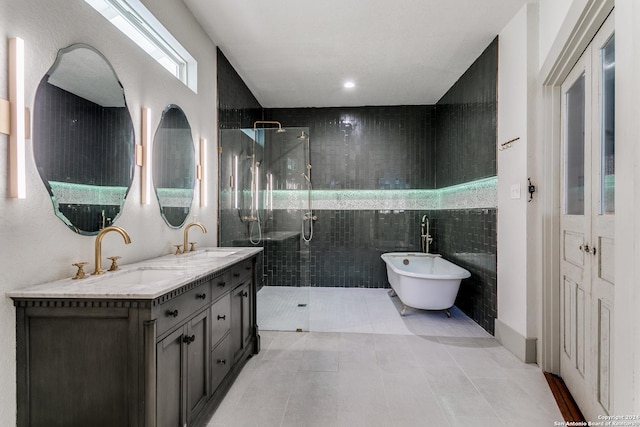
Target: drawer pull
{"x": 222, "y": 317}
{"x": 188, "y": 339}
{"x": 222, "y": 284}
{"x": 244, "y": 294}
{"x": 236, "y": 274}
{"x": 248, "y": 267}
{"x": 172, "y": 313}
{"x": 201, "y": 296}
{"x": 222, "y": 362}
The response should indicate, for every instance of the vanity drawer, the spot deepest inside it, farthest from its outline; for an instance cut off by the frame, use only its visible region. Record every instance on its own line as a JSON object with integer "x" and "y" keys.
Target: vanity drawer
{"x": 176, "y": 310}
{"x": 220, "y": 319}
{"x": 242, "y": 271}
{"x": 220, "y": 285}
{"x": 221, "y": 361}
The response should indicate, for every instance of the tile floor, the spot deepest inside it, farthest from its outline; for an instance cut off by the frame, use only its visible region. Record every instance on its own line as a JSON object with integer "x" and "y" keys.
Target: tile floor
{"x": 361, "y": 364}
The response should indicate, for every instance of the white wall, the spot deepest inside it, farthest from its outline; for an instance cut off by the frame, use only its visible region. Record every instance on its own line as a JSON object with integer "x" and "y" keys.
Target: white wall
{"x": 517, "y": 59}
{"x": 512, "y": 171}
{"x": 36, "y": 246}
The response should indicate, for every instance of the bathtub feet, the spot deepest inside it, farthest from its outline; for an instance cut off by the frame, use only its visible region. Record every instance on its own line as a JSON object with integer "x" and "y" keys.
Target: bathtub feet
{"x": 403, "y": 311}
{"x": 448, "y": 312}
{"x": 392, "y": 293}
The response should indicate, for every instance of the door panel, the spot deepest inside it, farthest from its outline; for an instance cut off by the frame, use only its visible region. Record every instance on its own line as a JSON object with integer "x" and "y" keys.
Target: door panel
{"x": 573, "y": 243}
{"x": 604, "y": 355}
{"x": 606, "y": 259}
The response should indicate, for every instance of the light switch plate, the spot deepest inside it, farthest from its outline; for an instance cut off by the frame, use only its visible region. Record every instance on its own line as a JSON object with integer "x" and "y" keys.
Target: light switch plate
{"x": 515, "y": 191}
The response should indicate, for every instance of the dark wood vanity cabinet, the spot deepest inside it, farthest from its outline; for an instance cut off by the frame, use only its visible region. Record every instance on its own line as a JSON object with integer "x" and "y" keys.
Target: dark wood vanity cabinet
{"x": 166, "y": 361}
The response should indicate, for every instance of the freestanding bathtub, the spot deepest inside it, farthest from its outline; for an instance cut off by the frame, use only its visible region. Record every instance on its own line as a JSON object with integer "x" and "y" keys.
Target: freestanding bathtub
{"x": 424, "y": 281}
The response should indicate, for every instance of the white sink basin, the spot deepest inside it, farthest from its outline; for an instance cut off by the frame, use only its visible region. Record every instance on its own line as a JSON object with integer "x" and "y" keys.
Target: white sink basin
{"x": 142, "y": 275}
{"x": 214, "y": 253}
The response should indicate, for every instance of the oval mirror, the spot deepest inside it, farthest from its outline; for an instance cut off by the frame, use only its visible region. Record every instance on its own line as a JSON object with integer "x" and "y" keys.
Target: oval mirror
{"x": 83, "y": 140}
{"x": 174, "y": 166}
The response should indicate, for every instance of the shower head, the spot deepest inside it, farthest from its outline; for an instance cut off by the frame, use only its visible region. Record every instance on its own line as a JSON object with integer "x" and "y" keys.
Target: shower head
{"x": 268, "y": 122}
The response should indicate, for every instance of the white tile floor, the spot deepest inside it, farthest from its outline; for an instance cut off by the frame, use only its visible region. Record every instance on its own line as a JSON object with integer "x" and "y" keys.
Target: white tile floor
{"x": 362, "y": 364}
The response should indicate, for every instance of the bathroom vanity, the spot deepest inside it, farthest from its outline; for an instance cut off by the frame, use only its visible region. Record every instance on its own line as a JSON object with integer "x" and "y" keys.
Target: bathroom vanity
{"x": 156, "y": 343}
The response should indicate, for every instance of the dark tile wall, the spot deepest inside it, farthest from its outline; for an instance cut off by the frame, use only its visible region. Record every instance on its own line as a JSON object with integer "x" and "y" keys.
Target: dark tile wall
{"x": 468, "y": 238}
{"x": 466, "y": 124}
{"x": 388, "y": 147}
{"x": 237, "y": 107}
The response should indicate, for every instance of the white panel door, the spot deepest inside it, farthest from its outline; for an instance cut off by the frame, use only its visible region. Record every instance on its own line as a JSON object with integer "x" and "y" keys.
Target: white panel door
{"x": 587, "y": 225}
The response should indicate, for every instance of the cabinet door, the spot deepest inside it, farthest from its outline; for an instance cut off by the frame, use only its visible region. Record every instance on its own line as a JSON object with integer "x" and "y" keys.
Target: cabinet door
{"x": 170, "y": 368}
{"x": 247, "y": 324}
{"x": 236, "y": 321}
{"x": 241, "y": 318}
{"x": 198, "y": 353}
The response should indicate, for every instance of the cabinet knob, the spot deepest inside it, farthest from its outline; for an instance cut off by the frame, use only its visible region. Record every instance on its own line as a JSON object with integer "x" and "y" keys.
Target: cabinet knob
{"x": 188, "y": 339}
{"x": 221, "y": 361}
{"x": 222, "y": 317}
{"x": 201, "y": 296}
{"x": 172, "y": 313}
{"x": 222, "y": 284}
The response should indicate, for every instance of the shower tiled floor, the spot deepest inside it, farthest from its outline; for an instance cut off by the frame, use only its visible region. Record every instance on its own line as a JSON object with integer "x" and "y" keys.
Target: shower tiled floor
{"x": 362, "y": 364}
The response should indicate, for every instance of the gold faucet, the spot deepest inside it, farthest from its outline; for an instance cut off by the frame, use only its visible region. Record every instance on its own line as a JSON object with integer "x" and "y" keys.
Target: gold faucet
{"x": 186, "y": 236}
{"x": 98, "y": 259}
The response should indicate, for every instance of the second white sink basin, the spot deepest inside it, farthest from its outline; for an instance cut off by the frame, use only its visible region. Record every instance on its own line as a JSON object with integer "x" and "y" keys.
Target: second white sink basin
{"x": 214, "y": 253}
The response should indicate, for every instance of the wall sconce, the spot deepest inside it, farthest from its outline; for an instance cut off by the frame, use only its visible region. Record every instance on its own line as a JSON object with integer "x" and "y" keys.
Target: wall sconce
{"x": 143, "y": 157}
{"x": 269, "y": 195}
{"x": 13, "y": 120}
{"x": 235, "y": 182}
{"x": 202, "y": 172}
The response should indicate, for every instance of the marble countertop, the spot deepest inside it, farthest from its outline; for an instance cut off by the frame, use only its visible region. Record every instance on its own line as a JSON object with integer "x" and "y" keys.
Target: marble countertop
{"x": 147, "y": 279}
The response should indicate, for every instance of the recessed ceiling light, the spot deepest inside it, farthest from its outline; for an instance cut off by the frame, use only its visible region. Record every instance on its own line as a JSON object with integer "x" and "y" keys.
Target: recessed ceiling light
{"x": 349, "y": 85}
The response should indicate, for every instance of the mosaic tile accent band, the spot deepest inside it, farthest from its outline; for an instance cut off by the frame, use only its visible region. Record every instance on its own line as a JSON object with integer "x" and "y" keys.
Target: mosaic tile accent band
{"x": 473, "y": 195}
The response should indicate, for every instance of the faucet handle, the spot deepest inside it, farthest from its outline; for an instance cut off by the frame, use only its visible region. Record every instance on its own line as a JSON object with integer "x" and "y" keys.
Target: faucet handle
{"x": 114, "y": 262}
{"x": 80, "y": 274}
{"x": 193, "y": 246}
{"x": 178, "y": 250}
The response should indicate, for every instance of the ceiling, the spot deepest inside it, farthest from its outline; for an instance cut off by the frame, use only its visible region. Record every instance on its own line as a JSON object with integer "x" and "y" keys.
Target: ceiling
{"x": 299, "y": 53}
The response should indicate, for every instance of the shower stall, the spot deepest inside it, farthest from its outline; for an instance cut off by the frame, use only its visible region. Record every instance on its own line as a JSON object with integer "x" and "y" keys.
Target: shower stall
{"x": 265, "y": 200}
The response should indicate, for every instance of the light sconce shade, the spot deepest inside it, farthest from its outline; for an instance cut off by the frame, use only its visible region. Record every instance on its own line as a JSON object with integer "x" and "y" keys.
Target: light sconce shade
{"x": 202, "y": 175}
{"x": 143, "y": 157}
{"x": 235, "y": 182}
{"x": 17, "y": 132}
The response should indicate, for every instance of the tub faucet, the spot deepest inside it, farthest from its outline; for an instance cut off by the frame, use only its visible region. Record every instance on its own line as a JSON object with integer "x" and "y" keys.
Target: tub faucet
{"x": 186, "y": 236}
{"x": 424, "y": 234}
{"x": 98, "y": 254}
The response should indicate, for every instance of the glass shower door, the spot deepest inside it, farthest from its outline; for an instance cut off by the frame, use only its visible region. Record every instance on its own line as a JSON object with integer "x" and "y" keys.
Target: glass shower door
{"x": 264, "y": 200}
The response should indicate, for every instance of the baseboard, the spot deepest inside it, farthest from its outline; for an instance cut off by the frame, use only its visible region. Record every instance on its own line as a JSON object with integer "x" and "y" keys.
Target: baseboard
{"x": 523, "y": 348}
